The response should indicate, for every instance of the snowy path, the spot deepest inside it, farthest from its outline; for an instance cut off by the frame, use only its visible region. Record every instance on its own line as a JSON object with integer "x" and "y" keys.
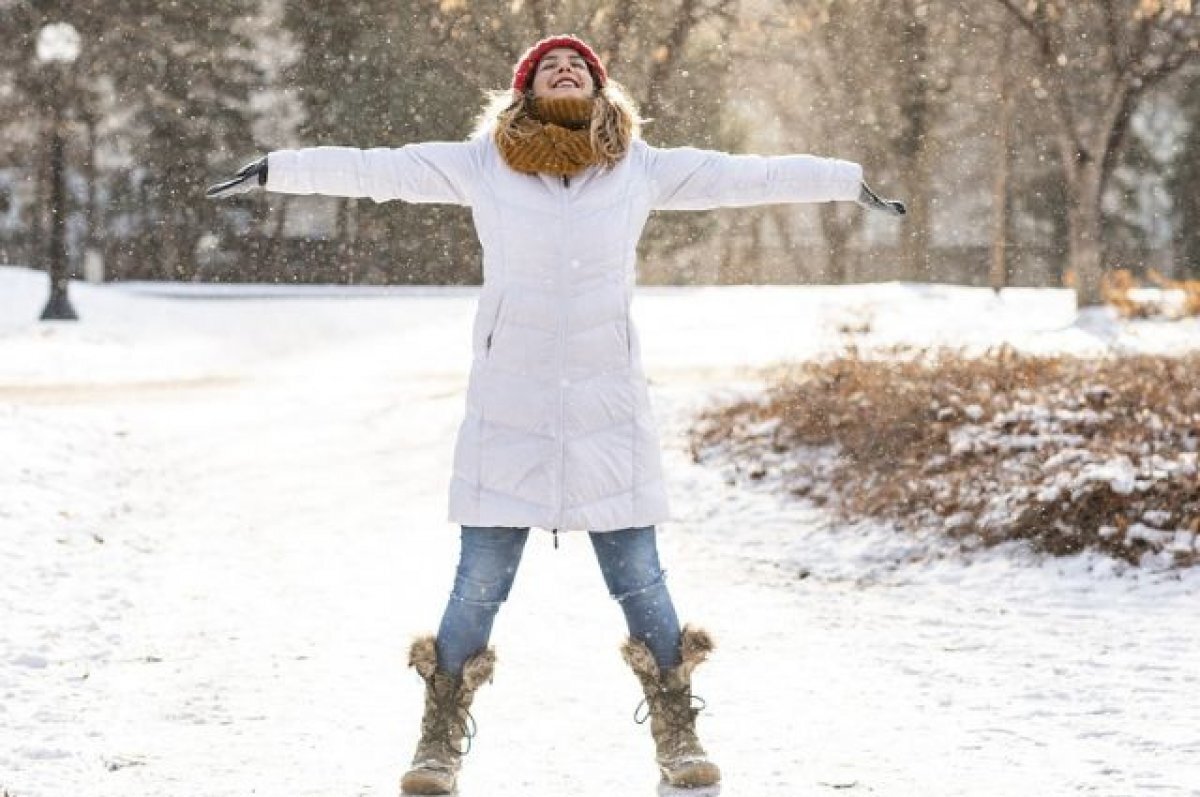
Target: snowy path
{"x": 210, "y": 581}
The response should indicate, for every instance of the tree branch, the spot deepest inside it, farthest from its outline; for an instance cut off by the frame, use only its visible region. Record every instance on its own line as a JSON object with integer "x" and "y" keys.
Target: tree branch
{"x": 1028, "y": 22}
{"x": 1114, "y": 124}
{"x": 620, "y": 27}
{"x": 685, "y": 19}
{"x": 1112, "y": 30}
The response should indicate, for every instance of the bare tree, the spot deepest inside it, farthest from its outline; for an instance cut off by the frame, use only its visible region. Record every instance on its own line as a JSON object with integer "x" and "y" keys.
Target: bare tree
{"x": 915, "y": 85}
{"x": 1095, "y": 62}
{"x": 877, "y": 75}
{"x": 1184, "y": 179}
{"x": 158, "y": 89}
{"x": 998, "y": 270}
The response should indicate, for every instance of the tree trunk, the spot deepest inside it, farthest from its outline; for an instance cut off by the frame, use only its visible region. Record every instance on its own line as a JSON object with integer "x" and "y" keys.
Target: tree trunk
{"x": 341, "y": 234}
{"x": 542, "y": 18}
{"x": 276, "y": 243}
{"x": 918, "y": 233}
{"x": 619, "y": 29}
{"x": 729, "y": 266}
{"x": 781, "y": 217}
{"x": 837, "y": 232}
{"x": 755, "y": 252}
{"x": 663, "y": 62}
{"x": 998, "y": 272}
{"x": 917, "y": 105}
{"x": 1086, "y": 236}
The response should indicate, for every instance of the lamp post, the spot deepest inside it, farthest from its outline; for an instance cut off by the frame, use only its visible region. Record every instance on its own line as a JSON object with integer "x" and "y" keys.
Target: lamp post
{"x": 58, "y": 47}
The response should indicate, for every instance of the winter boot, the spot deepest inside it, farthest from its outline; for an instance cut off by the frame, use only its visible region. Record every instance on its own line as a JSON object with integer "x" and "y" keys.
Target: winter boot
{"x": 681, "y": 759}
{"x": 447, "y": 721}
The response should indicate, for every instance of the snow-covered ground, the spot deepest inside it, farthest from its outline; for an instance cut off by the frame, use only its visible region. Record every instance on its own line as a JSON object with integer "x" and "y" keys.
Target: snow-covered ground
{"x": 222, "y": 521}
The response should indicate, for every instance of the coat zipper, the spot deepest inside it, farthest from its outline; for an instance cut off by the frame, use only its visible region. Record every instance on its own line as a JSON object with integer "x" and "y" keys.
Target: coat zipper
{"x": 562, "y": 444}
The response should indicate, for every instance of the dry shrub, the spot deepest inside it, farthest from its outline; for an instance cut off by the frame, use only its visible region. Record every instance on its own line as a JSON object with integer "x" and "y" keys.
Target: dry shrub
{"x": 1172, "y": 299}
{"x": 1117, "y": 288}
{"x": 1189, "y": 288}
{"x": 1065, "y": 453}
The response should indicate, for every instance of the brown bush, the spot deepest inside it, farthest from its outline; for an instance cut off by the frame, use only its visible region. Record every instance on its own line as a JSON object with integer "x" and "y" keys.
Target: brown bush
{"x": 1120, "y": 289}
{"x": 1067, "y": 454}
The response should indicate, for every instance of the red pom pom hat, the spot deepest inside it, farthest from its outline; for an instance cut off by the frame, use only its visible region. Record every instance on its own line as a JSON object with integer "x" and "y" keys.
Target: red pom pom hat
{"x": 523, "y": 73}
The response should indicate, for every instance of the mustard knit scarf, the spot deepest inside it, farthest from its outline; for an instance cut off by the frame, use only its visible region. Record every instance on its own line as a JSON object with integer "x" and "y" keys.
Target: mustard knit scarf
{"x": 558, "y": 141}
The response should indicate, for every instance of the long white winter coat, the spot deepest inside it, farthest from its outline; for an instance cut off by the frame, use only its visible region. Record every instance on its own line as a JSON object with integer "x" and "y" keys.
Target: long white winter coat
{"x": 558, "y": 431}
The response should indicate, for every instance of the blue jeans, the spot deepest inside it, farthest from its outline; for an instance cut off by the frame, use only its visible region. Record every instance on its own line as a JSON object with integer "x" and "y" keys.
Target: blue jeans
{"x": 487, "y": 566}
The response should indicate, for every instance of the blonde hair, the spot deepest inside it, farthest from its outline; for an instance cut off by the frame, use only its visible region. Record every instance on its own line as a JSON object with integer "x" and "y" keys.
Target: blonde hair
{"x": 615, "y": 121}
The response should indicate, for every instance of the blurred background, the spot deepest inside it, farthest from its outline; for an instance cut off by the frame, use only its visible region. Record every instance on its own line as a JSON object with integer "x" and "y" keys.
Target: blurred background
{"x": 1036, "y": 142}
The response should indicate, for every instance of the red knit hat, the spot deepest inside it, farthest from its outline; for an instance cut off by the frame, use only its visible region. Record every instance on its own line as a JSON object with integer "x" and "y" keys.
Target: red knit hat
{"x": 523, "y": 73}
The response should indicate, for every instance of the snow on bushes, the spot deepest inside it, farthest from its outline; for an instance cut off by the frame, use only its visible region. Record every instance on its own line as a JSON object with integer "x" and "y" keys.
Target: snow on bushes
{"x": 1171, "y": 299}
{"x": 1066, "y": 454}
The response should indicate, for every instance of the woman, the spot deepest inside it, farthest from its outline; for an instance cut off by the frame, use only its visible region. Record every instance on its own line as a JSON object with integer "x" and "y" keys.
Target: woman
{"x": 558, "y": 432}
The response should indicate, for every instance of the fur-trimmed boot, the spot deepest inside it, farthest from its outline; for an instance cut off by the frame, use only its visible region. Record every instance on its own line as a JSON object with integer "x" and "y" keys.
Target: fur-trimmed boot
{"x": 681, "y": 758}
{"x": 447, "y": 721}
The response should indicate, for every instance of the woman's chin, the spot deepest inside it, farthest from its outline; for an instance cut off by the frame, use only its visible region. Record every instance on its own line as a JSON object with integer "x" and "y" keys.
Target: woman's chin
{"x": 566, "y": 94}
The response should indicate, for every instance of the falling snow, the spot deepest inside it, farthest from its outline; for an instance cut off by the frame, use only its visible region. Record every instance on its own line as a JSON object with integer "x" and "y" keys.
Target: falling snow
{"x": 222, "y": 523}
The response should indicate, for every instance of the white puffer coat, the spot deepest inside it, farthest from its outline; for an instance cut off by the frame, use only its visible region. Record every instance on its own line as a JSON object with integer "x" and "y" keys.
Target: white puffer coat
{"x": 558, "y": 431}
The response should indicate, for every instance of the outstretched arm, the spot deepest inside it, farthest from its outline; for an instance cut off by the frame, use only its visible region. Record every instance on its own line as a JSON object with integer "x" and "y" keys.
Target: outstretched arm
{"x": 440, "y": 171}
{"x": 695, "y": 179}
{"x": 685, "y": 178}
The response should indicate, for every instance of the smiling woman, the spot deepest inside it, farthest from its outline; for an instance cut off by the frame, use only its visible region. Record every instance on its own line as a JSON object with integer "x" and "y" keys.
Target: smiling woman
{"x": 562, "y": 114}
{"x": 558, "y": 431}
{"x": 563, "y": 73}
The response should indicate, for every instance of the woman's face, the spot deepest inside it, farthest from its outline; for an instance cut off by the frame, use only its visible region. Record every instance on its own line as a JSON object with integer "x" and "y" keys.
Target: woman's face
{"x": 562, "y": 73}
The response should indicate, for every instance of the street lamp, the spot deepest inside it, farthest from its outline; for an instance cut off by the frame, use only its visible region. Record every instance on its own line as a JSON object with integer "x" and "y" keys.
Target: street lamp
{"x": 58, "y": 47}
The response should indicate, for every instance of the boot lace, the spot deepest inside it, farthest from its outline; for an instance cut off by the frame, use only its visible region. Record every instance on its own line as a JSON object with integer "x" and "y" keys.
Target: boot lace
{"x": 694, "y": 706}
{"x": 676, "y": 710}
{"x": 447, "y": 727}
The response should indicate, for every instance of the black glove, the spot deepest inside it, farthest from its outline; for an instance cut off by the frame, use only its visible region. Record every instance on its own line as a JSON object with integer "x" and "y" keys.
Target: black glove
{"x": 249, "y": 177}
{"x": 867, "y": 198}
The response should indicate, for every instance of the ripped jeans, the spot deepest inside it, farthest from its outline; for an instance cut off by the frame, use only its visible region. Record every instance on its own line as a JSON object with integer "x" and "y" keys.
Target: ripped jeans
{"x": 487, "y": 567}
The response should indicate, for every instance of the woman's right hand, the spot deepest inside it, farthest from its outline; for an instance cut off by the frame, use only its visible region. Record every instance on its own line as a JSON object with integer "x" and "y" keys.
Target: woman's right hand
{"x": 868, "y": 199}
{"x": 251, "y": 176}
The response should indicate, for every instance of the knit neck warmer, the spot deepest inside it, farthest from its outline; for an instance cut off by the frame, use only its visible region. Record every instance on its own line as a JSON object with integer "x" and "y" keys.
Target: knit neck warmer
{"x": 556, "y": 140}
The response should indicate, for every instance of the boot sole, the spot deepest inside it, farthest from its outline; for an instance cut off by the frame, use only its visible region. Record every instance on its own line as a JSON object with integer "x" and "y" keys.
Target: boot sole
{"x": 426, "y": 783}
{"x": 667, "y": 790}
{"x": 694, "y": 776}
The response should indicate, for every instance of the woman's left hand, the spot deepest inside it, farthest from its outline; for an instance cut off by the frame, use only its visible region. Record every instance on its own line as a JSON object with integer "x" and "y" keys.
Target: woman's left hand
{"x": 251, "y": 176}
{"x": 868, "y": 199}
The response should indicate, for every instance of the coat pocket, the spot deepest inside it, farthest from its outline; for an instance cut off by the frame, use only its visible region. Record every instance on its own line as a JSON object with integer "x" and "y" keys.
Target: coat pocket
{"x": 493, "y": 327}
